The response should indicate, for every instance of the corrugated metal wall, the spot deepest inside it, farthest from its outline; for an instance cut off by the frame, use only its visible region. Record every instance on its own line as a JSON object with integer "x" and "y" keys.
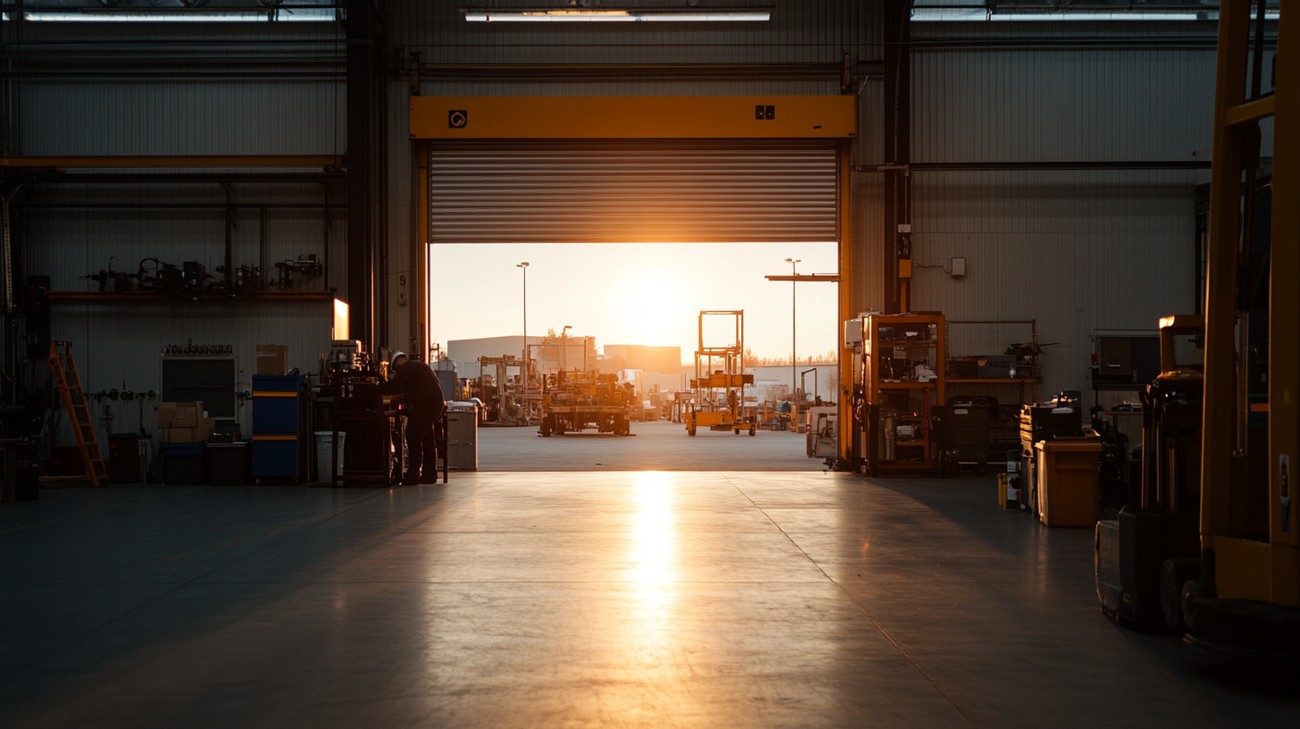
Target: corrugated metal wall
{"x": 117, "y": 117}
{"x": 119, "y": 346}
{"x": 1074, "y": 249}
{"x": 177, "y": 89}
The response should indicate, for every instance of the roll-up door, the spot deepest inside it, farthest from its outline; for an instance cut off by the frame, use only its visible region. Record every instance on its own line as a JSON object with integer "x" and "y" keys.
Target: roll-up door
{"x": 601, "y": 191}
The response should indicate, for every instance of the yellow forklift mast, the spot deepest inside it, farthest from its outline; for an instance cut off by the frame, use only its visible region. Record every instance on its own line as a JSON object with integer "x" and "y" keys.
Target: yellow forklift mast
{"x": 1213, "y": 548}
{"x": 1247, "y": 597}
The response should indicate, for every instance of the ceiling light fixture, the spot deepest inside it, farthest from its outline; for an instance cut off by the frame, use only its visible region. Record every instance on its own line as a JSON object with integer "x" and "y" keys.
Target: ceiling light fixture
{"x": 619, "y": 15}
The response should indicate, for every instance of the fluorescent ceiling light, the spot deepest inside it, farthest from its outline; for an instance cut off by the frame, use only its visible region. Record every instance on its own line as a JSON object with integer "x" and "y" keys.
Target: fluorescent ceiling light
{"x": 178, "y": 15}
{"x": 618, "y": 15}
{"x": 936, "y": 14}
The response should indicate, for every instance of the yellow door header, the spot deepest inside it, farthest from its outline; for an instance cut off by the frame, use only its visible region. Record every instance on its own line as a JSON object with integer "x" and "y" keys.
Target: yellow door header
{"x": 633, "y": 117}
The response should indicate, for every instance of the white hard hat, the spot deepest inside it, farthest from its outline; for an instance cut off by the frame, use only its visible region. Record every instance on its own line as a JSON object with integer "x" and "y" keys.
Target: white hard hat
{"x": 393, "y": 360}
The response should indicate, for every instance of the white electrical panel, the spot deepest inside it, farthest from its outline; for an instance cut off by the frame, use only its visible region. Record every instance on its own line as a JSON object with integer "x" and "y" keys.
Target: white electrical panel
{"x": 852, "y": 333}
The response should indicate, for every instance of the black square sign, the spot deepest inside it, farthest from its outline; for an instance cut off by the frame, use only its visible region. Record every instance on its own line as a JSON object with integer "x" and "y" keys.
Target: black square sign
{"x": 457, "y": 118}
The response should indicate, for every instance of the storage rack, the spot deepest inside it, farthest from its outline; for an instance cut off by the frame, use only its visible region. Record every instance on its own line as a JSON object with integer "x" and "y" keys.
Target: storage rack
{"x": 898, "y": 395}
{"x": 997, "y": 336}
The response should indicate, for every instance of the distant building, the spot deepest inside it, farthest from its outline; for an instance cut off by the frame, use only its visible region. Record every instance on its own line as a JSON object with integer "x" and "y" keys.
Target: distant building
{"x": 464, "y": 354}
{"x": 660, "y": 360}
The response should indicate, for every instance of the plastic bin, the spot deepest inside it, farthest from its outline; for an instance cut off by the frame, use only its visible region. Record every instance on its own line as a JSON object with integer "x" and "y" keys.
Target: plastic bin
{"x": 1067, "y": 482}
{"x": 325, "y": 453}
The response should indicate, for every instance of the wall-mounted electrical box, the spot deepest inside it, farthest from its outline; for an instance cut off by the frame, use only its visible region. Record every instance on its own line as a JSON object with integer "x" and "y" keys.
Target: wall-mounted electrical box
{"x": 852, "y": 333}
{"x": 958, "y": 267}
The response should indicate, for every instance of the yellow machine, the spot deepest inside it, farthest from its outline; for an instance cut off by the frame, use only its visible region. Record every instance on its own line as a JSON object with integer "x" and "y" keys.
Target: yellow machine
{"x": 578, "y": 400}
{"x": 720, "y": 379}
{"x": 1247, "y": 598}
{"x": 1215, "y": 544}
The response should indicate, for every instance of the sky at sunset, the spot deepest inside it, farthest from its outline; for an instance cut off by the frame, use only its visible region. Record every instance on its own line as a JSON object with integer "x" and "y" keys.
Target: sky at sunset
{"x": 643, "y": 293}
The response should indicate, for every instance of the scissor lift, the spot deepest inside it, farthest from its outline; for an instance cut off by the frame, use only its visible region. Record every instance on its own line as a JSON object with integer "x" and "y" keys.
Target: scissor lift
{"x": 720, "y": 380}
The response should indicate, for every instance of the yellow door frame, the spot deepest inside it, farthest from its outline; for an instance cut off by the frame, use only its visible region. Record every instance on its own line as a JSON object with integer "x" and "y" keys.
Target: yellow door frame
{"x": 450, "y": 118}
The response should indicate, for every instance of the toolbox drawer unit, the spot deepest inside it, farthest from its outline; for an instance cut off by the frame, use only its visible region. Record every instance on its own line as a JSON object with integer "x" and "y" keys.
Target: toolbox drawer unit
{"x": 276, "y": 432}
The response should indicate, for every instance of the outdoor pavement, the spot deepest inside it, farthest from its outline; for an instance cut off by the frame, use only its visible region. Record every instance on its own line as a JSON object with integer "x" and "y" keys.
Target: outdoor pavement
{"x": 659, "y": 445}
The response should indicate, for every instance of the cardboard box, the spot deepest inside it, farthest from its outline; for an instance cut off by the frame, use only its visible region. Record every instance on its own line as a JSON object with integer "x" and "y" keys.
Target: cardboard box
{"x": 165, "y": 414}
{"x": 272, "y": 359}
{"x": 177, "y": 435}
{"x": 196, "y": 434}
{"x": 187, "y": 416}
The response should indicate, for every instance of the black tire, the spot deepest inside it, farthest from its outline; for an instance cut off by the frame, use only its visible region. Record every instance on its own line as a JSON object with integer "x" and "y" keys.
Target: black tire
{"x": 1175, "y": 573}
{"x": 1189, "y": 592}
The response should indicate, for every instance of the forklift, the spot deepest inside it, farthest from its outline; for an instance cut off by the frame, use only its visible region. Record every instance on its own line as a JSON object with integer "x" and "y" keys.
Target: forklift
{"x": 1239, "y": 592}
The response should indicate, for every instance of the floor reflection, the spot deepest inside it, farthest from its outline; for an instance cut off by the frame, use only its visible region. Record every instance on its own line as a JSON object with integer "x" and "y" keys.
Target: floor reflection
{"x": 652, "y": 572}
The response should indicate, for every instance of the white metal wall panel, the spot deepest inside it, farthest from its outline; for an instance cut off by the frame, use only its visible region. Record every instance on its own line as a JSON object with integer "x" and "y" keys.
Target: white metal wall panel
{"x": 112, "y": 117}
{"x": 1061, "y": 105}
{"x": 642, "y": 191}
{"x": 119, "y": 346}
{"x": 1075, "y": 251}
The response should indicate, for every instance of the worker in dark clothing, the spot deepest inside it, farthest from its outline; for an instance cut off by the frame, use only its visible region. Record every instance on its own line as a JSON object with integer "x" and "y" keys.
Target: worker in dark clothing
{"x": 420, "y": 391}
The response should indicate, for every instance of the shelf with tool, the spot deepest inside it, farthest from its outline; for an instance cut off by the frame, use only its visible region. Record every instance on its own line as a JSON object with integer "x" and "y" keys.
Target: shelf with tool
{"x": 142, "y": 297}
{"x": 986, "y": 390}
{"x": 232, "y": 225}
{"x": 900, "y": 380}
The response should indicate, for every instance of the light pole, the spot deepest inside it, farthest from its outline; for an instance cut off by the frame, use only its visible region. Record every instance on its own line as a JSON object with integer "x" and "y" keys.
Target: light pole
{"x": 523, "y": 266}
{"x": 794, "y": 377}
{"x": 564, "y": 347}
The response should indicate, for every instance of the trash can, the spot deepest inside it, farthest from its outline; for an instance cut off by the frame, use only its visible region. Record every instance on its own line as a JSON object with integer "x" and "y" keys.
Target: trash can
{"x": 462, "y": 441}
{"x": 325, "y": 453}
{"x": 1068, "y": 473}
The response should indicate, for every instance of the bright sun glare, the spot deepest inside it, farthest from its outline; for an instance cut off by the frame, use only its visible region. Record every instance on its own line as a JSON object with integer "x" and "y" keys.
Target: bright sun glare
{"x": 653, "y": 308}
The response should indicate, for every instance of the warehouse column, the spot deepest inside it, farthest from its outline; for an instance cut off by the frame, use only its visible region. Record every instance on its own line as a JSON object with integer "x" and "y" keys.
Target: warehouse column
{"x": 898, "y": 144}
{"x": 367, "y": 169}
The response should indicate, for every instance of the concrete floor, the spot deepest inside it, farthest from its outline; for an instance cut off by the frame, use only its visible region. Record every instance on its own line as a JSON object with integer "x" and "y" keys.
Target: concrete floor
{"x": 575, "y": 599}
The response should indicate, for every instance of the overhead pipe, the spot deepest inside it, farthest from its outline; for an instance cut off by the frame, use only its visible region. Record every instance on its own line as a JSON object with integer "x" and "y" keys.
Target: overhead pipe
{"x": 1135, "y": 165}
{"x": 672, "y": 71}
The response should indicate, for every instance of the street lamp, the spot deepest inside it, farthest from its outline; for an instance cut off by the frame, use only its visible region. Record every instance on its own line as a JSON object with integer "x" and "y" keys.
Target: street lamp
{"x": 564, "y": 347}
{"x": 793, "y": 374}
{"x": 523, "y": 266}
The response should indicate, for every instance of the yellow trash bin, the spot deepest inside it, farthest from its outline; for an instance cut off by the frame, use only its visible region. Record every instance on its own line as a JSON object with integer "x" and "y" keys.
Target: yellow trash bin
{"x": 1068, "y": 472}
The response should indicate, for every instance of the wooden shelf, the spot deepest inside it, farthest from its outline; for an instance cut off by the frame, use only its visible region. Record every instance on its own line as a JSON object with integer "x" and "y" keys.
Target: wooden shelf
{"x": 993, "y": 380}
{"x": 910, "y": 385}
{"x": 138, "y": 297}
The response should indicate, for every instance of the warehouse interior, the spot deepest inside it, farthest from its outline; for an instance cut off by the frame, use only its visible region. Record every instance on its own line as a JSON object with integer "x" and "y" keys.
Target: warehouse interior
{"x": 1042, "y": 476}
